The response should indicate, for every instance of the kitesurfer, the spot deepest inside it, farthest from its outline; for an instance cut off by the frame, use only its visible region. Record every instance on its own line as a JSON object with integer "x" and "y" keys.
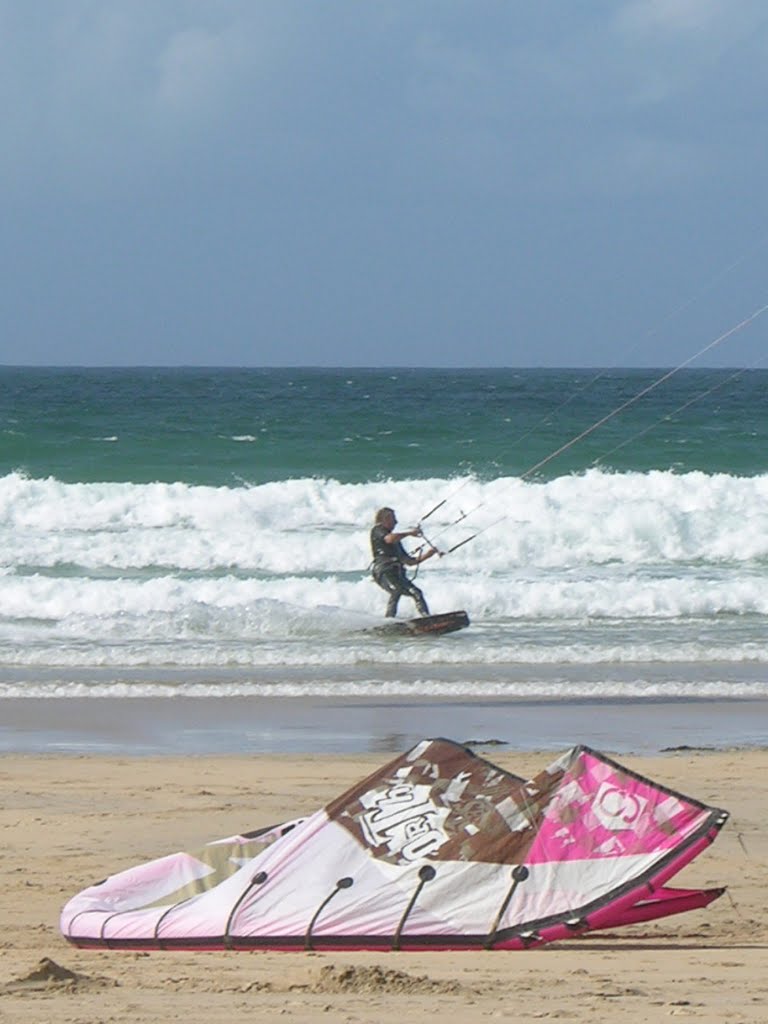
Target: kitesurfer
{"x": 390, "y": 559}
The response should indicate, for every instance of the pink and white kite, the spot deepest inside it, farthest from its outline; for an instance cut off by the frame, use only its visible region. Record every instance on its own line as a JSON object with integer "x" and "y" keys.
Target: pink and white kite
{"x": 439, "y": 849}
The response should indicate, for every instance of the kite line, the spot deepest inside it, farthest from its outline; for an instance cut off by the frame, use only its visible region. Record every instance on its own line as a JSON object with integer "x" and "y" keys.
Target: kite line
{"x": 601, "y": 422}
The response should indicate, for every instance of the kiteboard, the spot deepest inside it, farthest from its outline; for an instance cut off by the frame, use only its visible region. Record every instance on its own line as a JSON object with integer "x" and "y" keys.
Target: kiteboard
{"x": 435, "y": 625}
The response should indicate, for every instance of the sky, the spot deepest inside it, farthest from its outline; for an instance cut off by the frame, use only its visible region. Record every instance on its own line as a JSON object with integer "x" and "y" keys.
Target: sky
{"x": 391, "y": 183}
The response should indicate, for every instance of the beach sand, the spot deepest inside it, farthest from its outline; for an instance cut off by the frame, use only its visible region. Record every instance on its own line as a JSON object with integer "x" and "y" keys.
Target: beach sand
{"x": 68, "y": 821}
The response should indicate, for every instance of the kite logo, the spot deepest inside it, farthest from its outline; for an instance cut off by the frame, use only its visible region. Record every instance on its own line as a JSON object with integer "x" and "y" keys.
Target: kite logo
{"x": 616, "y": 809}
{"x": 405, "y": 820}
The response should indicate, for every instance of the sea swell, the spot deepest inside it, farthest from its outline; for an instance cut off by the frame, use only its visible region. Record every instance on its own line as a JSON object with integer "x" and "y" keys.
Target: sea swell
{"x": 591, "y": 568}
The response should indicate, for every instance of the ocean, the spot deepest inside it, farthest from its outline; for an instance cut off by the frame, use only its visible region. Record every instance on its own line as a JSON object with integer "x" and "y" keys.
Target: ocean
{"x": 203, "y": 533}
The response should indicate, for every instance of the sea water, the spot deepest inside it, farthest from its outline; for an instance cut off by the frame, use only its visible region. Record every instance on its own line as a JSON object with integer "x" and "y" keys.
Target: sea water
{"x": 204, "y": 532}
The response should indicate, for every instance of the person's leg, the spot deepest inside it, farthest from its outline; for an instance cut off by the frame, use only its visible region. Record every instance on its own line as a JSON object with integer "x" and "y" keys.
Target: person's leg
{"x": 391, "y": 580}
{"x": 392, "y": 603}
{"x": 414, "y": 592}
{"x": 421, "y": 603}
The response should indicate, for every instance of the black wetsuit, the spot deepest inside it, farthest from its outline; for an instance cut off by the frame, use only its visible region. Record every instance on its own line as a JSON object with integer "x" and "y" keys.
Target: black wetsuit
{"x": 389, "y": 572}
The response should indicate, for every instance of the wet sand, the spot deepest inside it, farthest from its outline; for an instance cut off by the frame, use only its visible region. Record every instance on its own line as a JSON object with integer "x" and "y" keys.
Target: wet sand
{"x": 370, "y": 724}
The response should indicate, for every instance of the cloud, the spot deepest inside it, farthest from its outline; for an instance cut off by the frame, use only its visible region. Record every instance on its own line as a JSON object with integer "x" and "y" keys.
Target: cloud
{"x": 97, "y": 97}
{"x": 678, "y": 17}
{"x": 630, "y": 163}
{"x": 105, "y": 98}
{"x": 198, "y": 71}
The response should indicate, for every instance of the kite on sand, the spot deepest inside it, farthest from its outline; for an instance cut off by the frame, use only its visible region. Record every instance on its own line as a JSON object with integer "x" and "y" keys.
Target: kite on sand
{"x": 437, "y": 850}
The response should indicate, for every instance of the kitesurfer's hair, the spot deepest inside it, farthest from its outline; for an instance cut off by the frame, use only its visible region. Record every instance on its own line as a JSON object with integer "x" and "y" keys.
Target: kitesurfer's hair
{"x": 382, "y": 514}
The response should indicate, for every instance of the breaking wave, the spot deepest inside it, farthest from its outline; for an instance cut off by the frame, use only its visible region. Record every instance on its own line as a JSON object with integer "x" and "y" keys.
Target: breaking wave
{"x": 595, "y": 568}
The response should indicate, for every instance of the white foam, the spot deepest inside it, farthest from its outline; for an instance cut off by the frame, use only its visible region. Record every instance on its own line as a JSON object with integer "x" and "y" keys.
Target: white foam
{"x": 540, "y": 690}
{"x": 598, "y": 568}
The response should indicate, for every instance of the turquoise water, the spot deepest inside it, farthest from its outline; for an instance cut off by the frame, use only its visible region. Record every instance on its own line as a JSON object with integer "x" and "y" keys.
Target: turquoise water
{"x": 229, "y": 427}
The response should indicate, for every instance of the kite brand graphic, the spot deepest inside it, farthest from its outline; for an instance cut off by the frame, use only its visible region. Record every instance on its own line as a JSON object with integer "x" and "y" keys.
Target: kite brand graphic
{"x": 616, "y": 809}
{"x": 426, "y": 854}
{"x": 405, "y": 820}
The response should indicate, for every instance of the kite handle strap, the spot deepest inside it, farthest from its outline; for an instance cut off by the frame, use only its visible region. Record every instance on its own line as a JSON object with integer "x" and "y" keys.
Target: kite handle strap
{"x": 258, "y": 879}
{"x": 519, "y": 874}
{"x": 343, "y": 883}
{"x": 426, "y": 874}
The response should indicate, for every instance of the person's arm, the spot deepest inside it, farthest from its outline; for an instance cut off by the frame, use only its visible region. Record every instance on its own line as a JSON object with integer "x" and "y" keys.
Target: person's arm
{"x": 393, "y": 538}
{"x": 417, "y": 559}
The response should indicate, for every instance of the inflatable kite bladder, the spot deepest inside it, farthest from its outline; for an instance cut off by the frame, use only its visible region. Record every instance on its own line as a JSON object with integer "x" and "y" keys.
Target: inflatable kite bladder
{"x": 439, "y": 849}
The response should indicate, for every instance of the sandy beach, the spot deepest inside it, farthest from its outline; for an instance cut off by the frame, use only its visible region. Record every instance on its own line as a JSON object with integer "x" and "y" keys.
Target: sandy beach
{"x": 68, "y": 821}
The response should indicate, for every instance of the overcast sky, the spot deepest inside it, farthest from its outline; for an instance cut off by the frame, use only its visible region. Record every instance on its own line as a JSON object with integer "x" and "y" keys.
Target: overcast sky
{"x": 383, "y": 182}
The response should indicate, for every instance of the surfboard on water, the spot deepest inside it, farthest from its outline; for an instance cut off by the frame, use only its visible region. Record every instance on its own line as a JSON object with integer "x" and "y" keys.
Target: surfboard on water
{"x": 447, "y": 622}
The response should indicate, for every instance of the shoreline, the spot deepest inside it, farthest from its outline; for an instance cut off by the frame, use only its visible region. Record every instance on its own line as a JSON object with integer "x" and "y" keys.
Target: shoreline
{"x": 146, "y": 726}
